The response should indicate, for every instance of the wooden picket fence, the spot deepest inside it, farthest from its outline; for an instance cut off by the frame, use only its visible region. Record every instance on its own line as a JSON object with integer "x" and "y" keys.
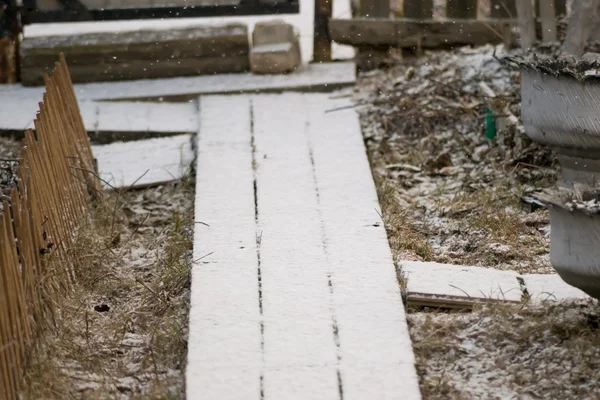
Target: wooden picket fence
{"x": 56, "y": 183}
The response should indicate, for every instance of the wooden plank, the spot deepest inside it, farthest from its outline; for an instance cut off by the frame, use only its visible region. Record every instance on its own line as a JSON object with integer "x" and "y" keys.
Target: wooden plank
{"x": 313, "y": 77}
{"x": 136, "y": 69}
{"x": 322, "y": 42}
{"x": 447, "y": 302}
{"x": 298, "y": 331}
{"x": 375, "y": 8}
{"x": 224, "y": 350}
{"x": 560, "y": 8}
{"x": 547, "y": 15}
{"x": 526, "y": 24}
{"x": 418, "y": 9}
{"x": 550, "y": 287}
{"x": 376, "y": 358}
{"x": 461, "y": 9}
{"x": 108, "y": 122}
{"x": 426, "y": 278}
{"x": 194, "y": 42}
{"x": 503, "y": 9}
{"x": 8, "y": 60}
{"x": 138, "y": 54}
{"x": 146, "y": 117}
{"x": 144, "y": 162}
{"x": 294, "y": 238}
{"x": 410, "y": 33}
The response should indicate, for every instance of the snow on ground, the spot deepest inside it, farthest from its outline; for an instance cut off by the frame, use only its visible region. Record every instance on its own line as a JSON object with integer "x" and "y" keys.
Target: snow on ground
{"x": 547, "y": 351}
{"x": 454, "y": 196}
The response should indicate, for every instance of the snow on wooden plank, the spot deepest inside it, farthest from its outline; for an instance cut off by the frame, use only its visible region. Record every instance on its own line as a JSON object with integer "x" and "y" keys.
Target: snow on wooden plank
{"x": 550, "y": 287}
{"x": 299, "y": 341}
{"x": 224, "y": 346}
{"x": 18, "y": 110}
{"x": 430, "y": 278}
{"x": 131, "y": 119}
{"x": 144, "y": 162}
{"x": 376, "y": 358}
{"x": 323, "y": 76}
{"x": 146, "y": 117}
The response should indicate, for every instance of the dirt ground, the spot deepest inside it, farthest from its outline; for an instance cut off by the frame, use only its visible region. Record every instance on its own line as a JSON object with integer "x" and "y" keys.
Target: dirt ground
{"x": 123, "y": 332}
{"x": 450, "y": 194}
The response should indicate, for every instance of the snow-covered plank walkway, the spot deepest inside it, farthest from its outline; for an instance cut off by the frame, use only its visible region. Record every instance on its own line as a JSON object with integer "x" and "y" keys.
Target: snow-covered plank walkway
{"x": 294, "y": 291}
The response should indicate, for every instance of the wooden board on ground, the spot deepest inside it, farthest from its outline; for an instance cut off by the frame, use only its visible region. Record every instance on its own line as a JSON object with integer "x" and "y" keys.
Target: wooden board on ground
{"x": 453, "y": 286}
{"x": 418, "y": 33}
{"x": 313, "y": 77}
{"x": 107, "y": 122}
{"x": 317, "y": 311}
{"x": 145, "y": 162}
{"x": 469, "y": 283}
{"x": 99, "y": 57}
{"x": 550, "y": 287}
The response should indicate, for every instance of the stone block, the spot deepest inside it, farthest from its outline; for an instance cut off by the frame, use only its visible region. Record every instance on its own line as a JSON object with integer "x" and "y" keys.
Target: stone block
{"x": 275, "y": 48}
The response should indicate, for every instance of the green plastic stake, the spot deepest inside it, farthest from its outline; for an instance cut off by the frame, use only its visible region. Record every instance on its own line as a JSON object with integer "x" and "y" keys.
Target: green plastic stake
{"x": 490, "y": 125}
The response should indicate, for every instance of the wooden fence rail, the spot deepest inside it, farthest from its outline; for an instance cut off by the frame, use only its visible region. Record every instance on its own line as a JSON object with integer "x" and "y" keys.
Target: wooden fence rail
{"x": 56, "y": 182}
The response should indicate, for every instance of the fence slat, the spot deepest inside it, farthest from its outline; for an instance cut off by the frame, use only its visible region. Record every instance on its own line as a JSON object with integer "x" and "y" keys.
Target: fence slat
{"x": 38, "y": 226}
{"x": 547, "y": 15}
{"x": 457, "y": 9}
{"x": 418, "y": 9}
{"x": 503, "y": 9}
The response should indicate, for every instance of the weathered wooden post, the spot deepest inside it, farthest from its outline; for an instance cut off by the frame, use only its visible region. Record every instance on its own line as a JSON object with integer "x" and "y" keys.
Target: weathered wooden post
{"x": 321, "y": 40}
{"x": 503, "y": 9}
{"x": 9, "y": 41}
{"x": 547, "y": 15}
{"x": 375, "y": 8}
{"x": 370, "y": 57}
{"x": 458, "y": 9}
{"x": 418, "y": 9}
{"x": 581, "y": 24}
{"x": 526, "y": 23}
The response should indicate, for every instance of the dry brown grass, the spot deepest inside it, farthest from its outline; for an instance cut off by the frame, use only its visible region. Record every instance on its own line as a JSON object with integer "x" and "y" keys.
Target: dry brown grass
{"x": 406, "y": 242}
{"x": 123, "y": 332}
